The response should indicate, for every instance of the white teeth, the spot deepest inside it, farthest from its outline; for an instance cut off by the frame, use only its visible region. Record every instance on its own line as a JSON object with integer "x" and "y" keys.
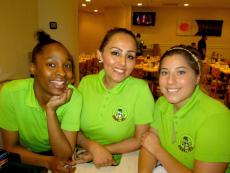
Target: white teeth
{"x": 172, "y": 90}
{"x": 119, "y": 70}
{"x": 58, "y": 82}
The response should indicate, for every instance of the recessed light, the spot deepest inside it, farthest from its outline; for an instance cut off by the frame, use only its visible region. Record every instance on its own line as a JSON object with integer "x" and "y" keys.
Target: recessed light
{"x": 83, "y": 5}
{"x": 87, "y": 0}
{"x": 95, "y": 11}
{"x": 139, "y": 4}
{"x": 186, "y": 5}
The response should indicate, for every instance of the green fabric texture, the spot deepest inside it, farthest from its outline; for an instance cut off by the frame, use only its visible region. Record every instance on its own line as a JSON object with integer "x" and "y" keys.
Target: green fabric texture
{"x": 198, "y": 131}
{"x": 20, "y": 111}
{"x": 110, "y": 116}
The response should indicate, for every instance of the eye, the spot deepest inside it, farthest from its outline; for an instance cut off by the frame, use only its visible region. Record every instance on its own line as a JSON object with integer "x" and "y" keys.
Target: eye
{"x": 163, "y": 72}
{"x": 131, "y": 57}
{"x": 181, "y": 72}
{"x": 115, "y": 53}
{"x": 69, "y": 66}
{"x": 52, "y": 65}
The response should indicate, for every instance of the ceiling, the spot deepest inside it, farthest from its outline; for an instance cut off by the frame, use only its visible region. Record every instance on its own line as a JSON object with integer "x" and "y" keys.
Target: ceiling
{"x": 102, "y": 4}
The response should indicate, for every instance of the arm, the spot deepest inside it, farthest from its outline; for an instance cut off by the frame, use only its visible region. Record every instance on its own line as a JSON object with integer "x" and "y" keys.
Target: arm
{"x": 151, "y": 143}
{"x": 94, "y": 151}
{"x": 102, "y": 155}
{"x": 11, "y": 144}
{"x": 131, "y": 144}
{"x": 62, "y": 142}
{"x": 146, "y": 161}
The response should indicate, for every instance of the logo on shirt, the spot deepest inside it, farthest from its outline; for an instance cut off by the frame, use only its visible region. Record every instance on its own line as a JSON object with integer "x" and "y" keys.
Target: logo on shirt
{"x": 119, "y": 114}
{"x": 186, "y": 144}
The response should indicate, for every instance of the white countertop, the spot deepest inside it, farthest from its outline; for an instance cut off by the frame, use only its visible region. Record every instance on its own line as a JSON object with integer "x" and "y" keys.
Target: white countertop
{"x": 128, "y": 164}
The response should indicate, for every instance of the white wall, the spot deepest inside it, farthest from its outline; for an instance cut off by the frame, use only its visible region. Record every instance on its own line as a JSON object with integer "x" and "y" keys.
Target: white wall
{"x": 65, "y": 14}
{"x": 18, "y": 23}
{"x": 164, "y": 31}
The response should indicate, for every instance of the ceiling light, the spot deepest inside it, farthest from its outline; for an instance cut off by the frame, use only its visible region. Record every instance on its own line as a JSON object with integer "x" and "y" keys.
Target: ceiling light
{"x": 139, "y": 4}
{"x": 95, "y": 11}
{"x": 87, "y": 0}
{"x": 83, "y": 5}
{"x": 186, "y": 5}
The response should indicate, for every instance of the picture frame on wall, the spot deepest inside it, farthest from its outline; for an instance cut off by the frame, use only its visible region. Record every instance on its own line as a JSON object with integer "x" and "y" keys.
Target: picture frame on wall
{"x": 189, "y": 27}
{"x": 53, "y": 25}
{"x": 186, "y": 27}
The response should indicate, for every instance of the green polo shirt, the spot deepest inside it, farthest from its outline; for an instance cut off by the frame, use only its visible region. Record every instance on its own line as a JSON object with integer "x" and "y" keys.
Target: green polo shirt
{"x": 198, "y": 131}
{"x": 20, "y": 111}
{"x": 110, "y": 116}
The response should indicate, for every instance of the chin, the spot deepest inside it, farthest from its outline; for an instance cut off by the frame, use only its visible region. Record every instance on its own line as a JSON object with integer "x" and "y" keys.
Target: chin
{"x": 172, "y": 100}
{"x": 58, "y": 92}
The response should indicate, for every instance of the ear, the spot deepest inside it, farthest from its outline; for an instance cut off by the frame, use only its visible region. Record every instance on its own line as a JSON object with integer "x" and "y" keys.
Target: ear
{"x": 32, "y": 69}
{"x": 99, "y": 56}
{"x": 198, "y": 79}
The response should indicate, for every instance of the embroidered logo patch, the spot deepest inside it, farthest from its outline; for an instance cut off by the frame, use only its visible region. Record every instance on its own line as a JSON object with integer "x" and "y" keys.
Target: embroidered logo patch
{"x": 186, "y": 144}
{"x": 119, "y": 114}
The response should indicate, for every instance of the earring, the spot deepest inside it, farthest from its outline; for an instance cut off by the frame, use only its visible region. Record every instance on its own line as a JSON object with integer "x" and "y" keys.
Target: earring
{"x": 100, "y": 61}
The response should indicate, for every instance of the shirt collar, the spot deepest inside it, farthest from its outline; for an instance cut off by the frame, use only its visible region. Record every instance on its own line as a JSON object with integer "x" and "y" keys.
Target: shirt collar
{"x": 190, "y": 104}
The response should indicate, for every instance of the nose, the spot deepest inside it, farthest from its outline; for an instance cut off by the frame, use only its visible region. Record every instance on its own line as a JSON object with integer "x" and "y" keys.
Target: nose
{"x": 122, "y": 60}
{"x": 171, "y": 78}
{"x": 60, "y": 71}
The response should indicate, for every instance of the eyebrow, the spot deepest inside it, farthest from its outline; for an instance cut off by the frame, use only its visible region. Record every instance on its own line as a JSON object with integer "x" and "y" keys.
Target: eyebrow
{"x": 122, "y": 50}
{"x": 184, "y": 67}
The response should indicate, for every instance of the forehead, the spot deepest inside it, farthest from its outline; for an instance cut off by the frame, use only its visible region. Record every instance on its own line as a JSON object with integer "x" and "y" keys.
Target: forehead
{"x": 54, "y": 47}
{"x": 174, "y": 61}
{"x": 54, "y": 51}
{"x": 121, "y": 39}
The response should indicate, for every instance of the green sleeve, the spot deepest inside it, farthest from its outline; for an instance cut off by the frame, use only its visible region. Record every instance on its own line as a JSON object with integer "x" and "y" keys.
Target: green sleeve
{"x": 7, "y": 113}
{"x": 72, "y": 112}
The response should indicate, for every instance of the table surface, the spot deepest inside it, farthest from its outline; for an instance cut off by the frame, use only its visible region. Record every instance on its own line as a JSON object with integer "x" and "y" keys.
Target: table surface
{"x": 128, "y": 164}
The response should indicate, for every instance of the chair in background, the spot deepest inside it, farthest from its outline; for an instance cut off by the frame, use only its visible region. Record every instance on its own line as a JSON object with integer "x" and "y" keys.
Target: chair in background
{"x": 227, "y": 96}
{"x": 216, "y": 87}
{"x": 206, "y": 77}
{"x": 82, "y": 69}
{"x": 138, "y": 73}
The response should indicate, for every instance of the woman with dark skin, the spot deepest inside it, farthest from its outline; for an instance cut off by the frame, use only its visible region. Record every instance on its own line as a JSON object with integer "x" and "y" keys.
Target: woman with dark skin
{"x": 48, "y": 104}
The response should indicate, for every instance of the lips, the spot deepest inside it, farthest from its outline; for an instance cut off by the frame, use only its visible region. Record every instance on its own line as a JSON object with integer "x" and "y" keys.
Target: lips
{"x": 121, "y": 71}
{"x": 58, "y": 84}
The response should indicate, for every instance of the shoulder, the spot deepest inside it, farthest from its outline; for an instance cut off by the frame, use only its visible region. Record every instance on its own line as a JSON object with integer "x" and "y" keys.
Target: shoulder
{"x": 75, "y": 91}
{"x": 162, "y": 102}
{"x": 210, "y": 105}
{"x": 89, "y": 78}
{"x": 17, "y": 85}
{"x": 136, "y": 82}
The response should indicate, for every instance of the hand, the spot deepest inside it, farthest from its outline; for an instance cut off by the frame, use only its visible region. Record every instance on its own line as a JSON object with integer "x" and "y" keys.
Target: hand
{"x": 101, "y": 156}
{"x": 151, "y": 142}
{"x": 56, "y": 101}
{"x": 83, "y": 157}
{"x": 56, "y": 165}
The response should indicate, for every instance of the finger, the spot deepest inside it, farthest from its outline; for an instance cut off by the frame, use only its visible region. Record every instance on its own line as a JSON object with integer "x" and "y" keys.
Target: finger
{"x": 70, "y": 168}
{"x": 79, "y": 161}
{"x": 114, "y": 163}
{"x": 62, "y": 169}
{"x": 68, "y": 94}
